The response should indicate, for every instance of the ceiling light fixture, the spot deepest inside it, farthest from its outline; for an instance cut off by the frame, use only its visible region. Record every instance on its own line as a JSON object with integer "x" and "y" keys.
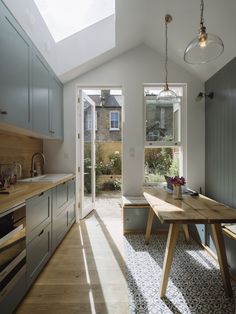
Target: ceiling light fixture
{"x": 201, "y": 95}
{"x": 166, "y": 93}
{"x": 204, "y": 48}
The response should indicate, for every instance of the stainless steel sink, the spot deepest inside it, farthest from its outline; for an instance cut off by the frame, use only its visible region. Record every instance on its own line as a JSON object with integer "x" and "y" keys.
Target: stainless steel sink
{"x": 50, "y": 177}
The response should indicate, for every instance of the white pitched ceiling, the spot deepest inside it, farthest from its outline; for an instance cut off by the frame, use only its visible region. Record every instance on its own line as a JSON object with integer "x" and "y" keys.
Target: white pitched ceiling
{"x": 136, "y": 22}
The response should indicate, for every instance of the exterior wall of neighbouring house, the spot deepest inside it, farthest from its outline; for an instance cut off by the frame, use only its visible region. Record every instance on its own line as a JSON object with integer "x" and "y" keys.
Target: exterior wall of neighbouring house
{"x": 103, "y": 132}
{"x": 131, "y": 70}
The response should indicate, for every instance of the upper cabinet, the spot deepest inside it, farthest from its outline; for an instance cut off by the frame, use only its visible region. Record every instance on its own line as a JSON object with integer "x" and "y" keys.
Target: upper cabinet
{"x": 40, "y": 95}
{"x": 55, "y": 108}
{"x": 15, "y": 53}
{"x": 30, "y": 94}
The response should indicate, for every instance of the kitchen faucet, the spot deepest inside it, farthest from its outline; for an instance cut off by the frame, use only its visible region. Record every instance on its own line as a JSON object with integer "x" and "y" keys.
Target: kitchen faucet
{"x": 33, "y": 171}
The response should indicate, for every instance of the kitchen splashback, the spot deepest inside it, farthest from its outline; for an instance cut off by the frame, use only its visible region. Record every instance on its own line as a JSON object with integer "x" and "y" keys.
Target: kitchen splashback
{"x": 19, "y": 148}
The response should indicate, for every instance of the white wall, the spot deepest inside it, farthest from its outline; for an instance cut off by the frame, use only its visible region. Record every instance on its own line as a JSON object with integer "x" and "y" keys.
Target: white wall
{"x": 131, "y": 70}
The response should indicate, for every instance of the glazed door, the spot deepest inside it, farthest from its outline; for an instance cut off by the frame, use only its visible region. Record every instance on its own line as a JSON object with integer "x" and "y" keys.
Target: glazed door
{"x": 87, "y": 146}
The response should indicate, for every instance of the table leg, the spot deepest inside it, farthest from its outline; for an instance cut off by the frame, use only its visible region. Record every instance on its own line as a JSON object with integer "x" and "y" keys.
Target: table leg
{"x": 169, "y": 253}
{"x": 149, "y": 225}
{"x": 222, "y": 259}
{"x": 186, "y": 232}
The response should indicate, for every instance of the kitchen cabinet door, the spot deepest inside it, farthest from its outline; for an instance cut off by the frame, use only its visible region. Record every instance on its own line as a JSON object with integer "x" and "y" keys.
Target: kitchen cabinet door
{"x": 55, "y": 108}
{"x": 38, "y": 252}
{"x": 38, "y": 214}
{"x": 59, "y": 228}
{"x": 15, "y": 53}
{"x": 40, "y": 95}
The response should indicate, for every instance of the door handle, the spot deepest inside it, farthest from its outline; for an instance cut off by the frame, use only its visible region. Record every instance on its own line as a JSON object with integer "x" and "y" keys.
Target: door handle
{"x": 40, "y": 233}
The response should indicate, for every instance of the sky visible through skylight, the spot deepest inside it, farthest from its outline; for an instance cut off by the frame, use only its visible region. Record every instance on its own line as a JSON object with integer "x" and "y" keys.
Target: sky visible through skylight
{"x": 66, "y": 17}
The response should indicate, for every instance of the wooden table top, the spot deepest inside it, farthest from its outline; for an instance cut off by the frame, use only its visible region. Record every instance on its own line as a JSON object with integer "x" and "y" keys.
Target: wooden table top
{"x": 191, "y": 209}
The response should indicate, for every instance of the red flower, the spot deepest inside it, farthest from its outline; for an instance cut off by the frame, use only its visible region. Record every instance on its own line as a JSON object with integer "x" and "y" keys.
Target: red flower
{"x": 177, "y": 180}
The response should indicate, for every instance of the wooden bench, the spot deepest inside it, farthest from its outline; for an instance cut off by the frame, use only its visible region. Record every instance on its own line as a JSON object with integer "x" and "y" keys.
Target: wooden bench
{"x": 135, "y": 211}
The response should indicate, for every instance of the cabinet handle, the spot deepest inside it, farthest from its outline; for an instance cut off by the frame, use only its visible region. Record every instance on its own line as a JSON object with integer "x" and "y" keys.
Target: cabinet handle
{"x": 64, "y": 182}
{"x": 41, "y": 194}
{"x": 4, "y": 112}
{"x": 52, "y": 132}
{"x": 41, "y": 233}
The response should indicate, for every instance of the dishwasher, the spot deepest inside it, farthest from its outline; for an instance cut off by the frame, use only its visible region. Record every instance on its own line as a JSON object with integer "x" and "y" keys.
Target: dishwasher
{"x": 12, "y": 249}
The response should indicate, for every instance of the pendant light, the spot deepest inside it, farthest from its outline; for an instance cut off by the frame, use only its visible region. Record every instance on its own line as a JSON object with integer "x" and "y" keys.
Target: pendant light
{"x": 204, "y": 48}
{"x": 166, "y": 94}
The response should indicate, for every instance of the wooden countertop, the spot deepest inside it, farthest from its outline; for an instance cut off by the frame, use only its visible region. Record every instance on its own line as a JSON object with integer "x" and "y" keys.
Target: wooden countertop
{"x": 25, "y": 191}
{"x": 191, "y": 209}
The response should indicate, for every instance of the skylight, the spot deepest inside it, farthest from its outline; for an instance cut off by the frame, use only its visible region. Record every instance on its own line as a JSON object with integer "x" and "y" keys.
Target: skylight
{"x": 66, "y": 17}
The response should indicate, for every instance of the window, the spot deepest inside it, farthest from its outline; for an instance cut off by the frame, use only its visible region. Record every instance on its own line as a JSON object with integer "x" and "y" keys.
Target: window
{"x": 66, "y": 17}
{"x": 88, "y": 120}
{"x": 162, "y": 149}
{"x": 162, "y": 122}
{"x": 114, "y": 120}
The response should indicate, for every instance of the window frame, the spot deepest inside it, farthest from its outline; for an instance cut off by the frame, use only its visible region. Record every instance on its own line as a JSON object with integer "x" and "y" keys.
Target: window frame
{"x": 181, "y": 142}
{"x": 110, "y": 114}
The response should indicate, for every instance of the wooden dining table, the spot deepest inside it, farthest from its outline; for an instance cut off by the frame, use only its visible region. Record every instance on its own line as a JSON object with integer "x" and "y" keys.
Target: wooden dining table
{"x": 189, "y": 210}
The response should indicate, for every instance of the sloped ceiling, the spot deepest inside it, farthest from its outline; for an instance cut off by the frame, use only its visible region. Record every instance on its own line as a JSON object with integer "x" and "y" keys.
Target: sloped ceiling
{"x": 136, "y": 22}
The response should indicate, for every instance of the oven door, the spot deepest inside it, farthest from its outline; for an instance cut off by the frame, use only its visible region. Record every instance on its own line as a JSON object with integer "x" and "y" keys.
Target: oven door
{"x": 12, "y": 248}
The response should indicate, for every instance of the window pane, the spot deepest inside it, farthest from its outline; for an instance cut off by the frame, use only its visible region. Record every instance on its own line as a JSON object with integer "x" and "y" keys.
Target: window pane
{"x": 160, "y": 162}
{"x": 160, "y": 120}
{"x": 114, "y": 120}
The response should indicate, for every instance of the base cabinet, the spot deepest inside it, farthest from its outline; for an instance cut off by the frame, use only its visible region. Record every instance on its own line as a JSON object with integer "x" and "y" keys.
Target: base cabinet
{"x": 63, "y": 211}
{"x": 38, "y": 252}
{"x": 49, "y": 216}
{"x": 59, "y": 228}
{"x": 71, "y": 215}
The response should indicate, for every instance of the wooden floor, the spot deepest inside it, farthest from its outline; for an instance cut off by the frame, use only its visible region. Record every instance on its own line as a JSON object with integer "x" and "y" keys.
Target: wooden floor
{"x": 86, "y": 274}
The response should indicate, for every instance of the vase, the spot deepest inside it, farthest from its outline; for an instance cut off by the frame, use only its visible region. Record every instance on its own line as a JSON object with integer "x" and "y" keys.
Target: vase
{"x": 177, "y": 192}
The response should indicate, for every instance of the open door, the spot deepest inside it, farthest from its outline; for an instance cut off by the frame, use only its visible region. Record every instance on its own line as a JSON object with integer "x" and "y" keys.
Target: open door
{"x": 87, "y": 154}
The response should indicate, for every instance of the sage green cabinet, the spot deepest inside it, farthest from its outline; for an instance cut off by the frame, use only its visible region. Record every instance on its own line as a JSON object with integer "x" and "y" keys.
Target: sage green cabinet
{"x": 31, "y": 97}
{"x": 15, "y": 54}
{"x": 38, "y": 214}
{"x": 40, "y": 95}
{"x": 63, "y": 210}
{"x": 38, "y": 234}
{"x": 55, "y": 108}
{"x": 38, "y": 253}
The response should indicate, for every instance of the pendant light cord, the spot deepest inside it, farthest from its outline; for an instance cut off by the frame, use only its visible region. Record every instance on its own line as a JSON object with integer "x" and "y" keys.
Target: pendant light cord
{"x": 201, "y": 16}
{"x": 166, "y": 57}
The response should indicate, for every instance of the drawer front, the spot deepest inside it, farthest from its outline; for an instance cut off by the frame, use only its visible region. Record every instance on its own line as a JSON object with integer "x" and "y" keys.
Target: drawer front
{"x": 13, "y": 298}
{"x": 61, "y": 196}
{"x": 71, "y": 190}
{"x": 71, "y": 214}
{"x": 38, "y": 214}
{"x": 38, "y": 252}
{"x": 59, "y": 228}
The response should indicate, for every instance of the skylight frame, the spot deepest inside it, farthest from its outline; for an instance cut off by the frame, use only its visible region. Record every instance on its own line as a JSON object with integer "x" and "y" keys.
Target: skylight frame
{"x": 65, "y": 18}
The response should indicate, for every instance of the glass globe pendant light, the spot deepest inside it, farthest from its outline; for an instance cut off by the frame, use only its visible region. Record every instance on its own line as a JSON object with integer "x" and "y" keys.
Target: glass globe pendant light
{"x": 204, "y": 48}
{"x": 166, "y": 94}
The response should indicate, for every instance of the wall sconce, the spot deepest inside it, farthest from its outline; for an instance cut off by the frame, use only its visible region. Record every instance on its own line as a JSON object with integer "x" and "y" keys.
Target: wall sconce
{"x": 201, "y": 95}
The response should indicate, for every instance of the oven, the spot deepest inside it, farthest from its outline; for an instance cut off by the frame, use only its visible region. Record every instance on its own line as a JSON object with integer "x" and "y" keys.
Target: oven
{"x": 12, "y": 248}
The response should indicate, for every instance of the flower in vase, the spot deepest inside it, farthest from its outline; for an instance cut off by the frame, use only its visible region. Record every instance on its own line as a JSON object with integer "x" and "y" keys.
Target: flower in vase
{"x": 177, "y": 180}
